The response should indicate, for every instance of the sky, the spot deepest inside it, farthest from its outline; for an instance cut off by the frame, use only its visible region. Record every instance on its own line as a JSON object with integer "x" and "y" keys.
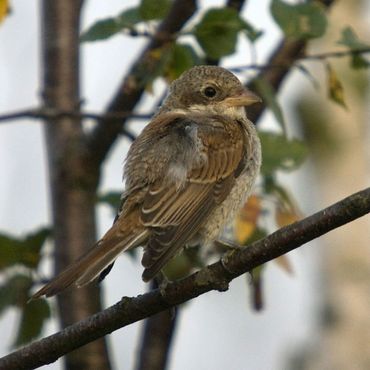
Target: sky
{"x": 216, "y": 331}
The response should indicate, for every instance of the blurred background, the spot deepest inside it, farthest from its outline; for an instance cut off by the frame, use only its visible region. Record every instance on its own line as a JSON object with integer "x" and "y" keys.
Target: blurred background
{"x": 317, "y": 316}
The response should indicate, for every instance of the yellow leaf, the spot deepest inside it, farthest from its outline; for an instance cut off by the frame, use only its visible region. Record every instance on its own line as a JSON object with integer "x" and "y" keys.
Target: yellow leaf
{"x": 246, "y": 221}
{"x": 4, "y": 9}
{"x": 286, "y": 216}
{"x": 284, "y": 263}
{"x": 335, "y": 87}
{"x": 287, "y": 210}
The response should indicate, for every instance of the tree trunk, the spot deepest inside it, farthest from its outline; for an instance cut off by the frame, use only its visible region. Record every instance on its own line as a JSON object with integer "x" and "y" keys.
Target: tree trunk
{"x": 73, "y": 178}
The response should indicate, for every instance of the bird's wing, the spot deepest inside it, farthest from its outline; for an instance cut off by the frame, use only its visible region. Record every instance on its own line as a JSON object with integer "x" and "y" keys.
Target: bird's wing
{"x": 210, "y": 152}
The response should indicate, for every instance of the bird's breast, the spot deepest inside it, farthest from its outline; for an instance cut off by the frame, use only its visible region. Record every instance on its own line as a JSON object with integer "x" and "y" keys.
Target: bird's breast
{"x": 227, "y": 210}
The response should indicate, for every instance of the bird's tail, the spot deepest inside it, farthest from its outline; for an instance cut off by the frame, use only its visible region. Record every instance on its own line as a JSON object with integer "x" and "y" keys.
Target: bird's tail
{"x": 118, "y": 239}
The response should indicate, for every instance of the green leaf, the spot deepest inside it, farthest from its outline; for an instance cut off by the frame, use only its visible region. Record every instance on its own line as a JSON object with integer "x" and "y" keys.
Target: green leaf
{"x": 218, "y": 30}
{"x": 160, "y": 58}
{"x": 351, "y": 40}
{"x": 129, "y": 18}
{"x": 33, "y": 318}
{"x": 154, "y": 9}
{"x": 359, "y": 62}
{"x": 279, "y": 153}
{"x": 108, "y": 27}
{"x": 182, "y": 58}
{"x": 334, "y": 86}
{"x": 257, "y": 234}
{"x": 250, "y": 31}
{"x": 15, "y": 291}
{"x": 265, "y": 90}
{"x": 101, "y": 30}
{"x": 309, "y": 75}
{"x": 24, "y": 251}
{"x": 32, "y": 245}
{"x": 305, "y": 20}
{"x": 9, "y": 251}
{"x": 112, "y": 198}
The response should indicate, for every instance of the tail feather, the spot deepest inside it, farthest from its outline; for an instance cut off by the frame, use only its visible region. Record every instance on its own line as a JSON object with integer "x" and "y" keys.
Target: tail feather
{"x": 90, "y": 265}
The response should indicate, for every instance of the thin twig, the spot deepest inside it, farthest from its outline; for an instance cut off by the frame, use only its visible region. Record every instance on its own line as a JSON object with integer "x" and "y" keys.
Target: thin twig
{"x": 54, "y": 114}
{"x": 309, "y": 57}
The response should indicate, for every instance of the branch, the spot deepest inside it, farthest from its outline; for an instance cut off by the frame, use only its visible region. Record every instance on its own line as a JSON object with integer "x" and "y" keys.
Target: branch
{"x": 56, "y": 114}
{"x": 133, "y": 85}
{"x": 72, "y": 179}
{"x": 336, "y": 54}
{"x": 214, "y": 277}
{"x": 309, "y": 57}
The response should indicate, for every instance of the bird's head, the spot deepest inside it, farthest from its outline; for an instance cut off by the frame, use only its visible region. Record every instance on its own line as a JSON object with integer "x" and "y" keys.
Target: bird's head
{"x": 209, "y": 88}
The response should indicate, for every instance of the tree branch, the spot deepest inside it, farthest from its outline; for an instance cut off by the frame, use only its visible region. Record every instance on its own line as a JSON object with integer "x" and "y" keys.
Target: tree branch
{"x": 57, "y": 114}
{"x": 307, "y": 57}
{"x": 72, "y": 178}
{"x": 214, "y": 277}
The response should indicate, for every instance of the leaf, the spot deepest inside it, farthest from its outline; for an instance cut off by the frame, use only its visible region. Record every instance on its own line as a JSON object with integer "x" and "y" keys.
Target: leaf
{"x": 250, "y": 31}
{"x": 4, "y": 9}
{"x": 265, "y": 90}
{"x": 300, "y": 21}
{"x": 32, "y": 245}
{"x": 9, "y": 251}
{"x": 178, "y": 267}
{"x": 101, "y": 30}
{"x": 334, "y": 86}
{"x": 32, "y": 321}
{"x": 112, "y": 198}
{"x": 108, "y": 27}
{"x": 246, "y": 220}
{"x": 160, "y": 59}
{"x": 24, "y": 251}
{"x": 279, "y": 153}
{"x": 285, "y": 215}
{"x": 309, "y": 75}
{"x": 15, "y": 291}
{"x": 352, "y": 42}
{"x": 359, "y": 62}
{"x": 258, "y": 234}
{"x": 217, "y": 31}
{"x": 154, "y": 9}
{"x": 182, "y": 58}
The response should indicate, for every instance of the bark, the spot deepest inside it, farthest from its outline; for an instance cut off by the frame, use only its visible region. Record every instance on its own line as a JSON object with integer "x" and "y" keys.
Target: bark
{"x": 73, "y": 179}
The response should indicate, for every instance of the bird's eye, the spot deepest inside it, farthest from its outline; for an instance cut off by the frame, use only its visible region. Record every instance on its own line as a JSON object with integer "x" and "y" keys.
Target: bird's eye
{"x": 209, "y": 92}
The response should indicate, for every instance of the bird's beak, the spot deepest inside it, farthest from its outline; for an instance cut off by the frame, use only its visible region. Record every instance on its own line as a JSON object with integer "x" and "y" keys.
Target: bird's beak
{"x": 244, "y": 98}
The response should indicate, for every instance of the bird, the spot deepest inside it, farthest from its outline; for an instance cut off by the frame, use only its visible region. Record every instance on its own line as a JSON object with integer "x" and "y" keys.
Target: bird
{"x": 186, "y": 175}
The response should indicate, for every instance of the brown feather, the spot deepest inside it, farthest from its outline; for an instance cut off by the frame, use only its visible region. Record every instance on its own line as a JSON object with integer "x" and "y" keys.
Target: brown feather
{"x": 88, "y": 266}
